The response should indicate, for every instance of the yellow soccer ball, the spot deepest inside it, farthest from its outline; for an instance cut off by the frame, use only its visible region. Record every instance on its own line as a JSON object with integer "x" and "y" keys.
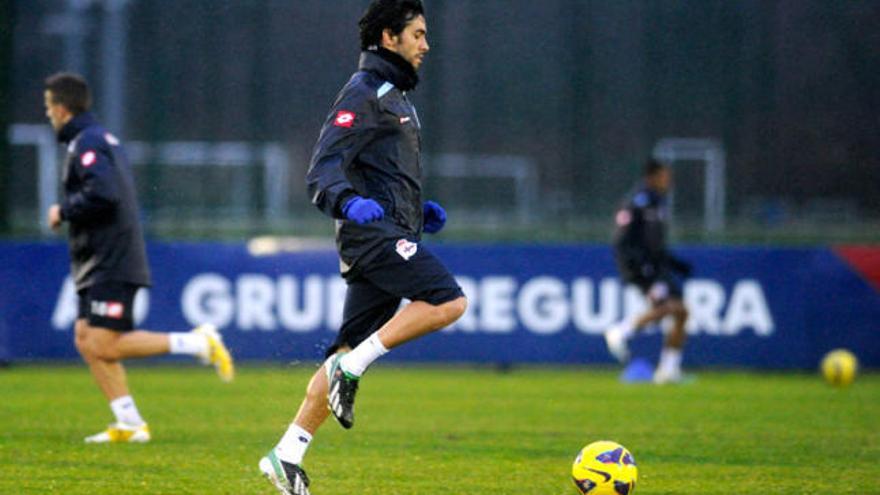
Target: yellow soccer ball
{"x": 605, "y": 468}
{"x": 839, "y": 367}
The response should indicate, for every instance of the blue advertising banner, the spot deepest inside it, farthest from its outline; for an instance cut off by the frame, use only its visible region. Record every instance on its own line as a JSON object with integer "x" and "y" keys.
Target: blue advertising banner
{"x": 749, "y": 307}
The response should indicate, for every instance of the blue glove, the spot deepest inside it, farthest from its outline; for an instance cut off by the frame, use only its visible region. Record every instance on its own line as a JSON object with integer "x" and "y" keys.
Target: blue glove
{"x": 362, "y": 210}
{"x": 435, "y": 217}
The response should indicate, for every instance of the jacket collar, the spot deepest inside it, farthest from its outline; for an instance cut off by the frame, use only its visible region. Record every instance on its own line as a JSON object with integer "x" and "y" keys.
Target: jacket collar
{"x": 390, "y": 67}
{"x": 76, "y": 125}
{"x": 652, "y": 193}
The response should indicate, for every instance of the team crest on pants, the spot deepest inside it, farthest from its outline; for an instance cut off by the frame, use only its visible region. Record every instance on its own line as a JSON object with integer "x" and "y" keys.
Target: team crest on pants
{"x": 108, "y": 309}
{"x": 658, "y": 291}
{"x": 406, "y": 249}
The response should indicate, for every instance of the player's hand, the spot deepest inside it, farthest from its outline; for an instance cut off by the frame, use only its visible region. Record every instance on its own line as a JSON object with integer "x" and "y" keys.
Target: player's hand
{"x": 435, "y": 217}
{"x": 362, "y": 210}
{"x": 53, "y": 217}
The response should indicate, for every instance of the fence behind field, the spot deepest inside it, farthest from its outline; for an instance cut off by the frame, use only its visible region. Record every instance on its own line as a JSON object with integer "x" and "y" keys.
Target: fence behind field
{"x": 579, "y": 91}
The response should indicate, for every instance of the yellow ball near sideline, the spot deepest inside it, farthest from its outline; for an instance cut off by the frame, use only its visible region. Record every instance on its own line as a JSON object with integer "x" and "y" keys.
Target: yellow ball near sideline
{"x": 839, "y": 367}
{"x": 605, "y": 468}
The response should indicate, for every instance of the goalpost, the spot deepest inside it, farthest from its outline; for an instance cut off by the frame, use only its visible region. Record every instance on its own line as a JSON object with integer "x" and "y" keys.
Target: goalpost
{"x": 272, "y": 157}
{"x": 710, "y": 153}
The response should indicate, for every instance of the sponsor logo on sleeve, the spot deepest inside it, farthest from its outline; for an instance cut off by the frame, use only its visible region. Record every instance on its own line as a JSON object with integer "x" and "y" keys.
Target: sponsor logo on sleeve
{"x": 406, "y": 249}
{"x": 344, "y": 118}
{"x": 88, "y": 158}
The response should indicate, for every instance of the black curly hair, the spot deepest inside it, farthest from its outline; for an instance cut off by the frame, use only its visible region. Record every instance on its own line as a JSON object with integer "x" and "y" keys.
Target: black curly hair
{"x": 652, "y": 167}
{"x": 387, "y": 14}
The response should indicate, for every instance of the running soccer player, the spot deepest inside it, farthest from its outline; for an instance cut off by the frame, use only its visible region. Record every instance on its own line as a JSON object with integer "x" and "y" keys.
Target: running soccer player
{"x": 108, "y": 259}
{"x": 366, "y": 173}
{"x": 644, "y": 260}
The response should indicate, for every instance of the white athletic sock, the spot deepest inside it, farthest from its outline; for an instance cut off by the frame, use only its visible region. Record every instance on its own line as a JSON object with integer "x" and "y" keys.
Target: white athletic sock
{"x": 358, "y": 360}
{"x": 187, "y": 343}
{"x": 125, "y": 411}
{"x": 293, "y": 445}
{"x": 670, "y": 360}
{"x": 627, "y": 327}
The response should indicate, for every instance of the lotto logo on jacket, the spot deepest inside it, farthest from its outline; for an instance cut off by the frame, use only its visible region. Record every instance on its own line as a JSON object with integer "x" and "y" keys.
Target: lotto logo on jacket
{"x": 344, "y": 118}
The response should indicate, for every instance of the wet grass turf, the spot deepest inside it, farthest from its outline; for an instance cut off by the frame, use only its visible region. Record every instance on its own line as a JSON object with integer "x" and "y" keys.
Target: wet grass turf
{"x": 444, "y": 431}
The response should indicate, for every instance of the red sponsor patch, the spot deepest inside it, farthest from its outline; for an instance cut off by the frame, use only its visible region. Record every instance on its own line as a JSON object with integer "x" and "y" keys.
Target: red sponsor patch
{"x": 115, "y": 309}
{"x": 88, "y": 158}
{"x": 344, "y": 118}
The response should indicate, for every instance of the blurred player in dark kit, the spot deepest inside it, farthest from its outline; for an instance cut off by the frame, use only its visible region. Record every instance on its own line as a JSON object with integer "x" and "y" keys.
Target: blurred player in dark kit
{"x": 644, "y": 260}
{"x": 108, "y": 259}
{"x": 366, "y": 173}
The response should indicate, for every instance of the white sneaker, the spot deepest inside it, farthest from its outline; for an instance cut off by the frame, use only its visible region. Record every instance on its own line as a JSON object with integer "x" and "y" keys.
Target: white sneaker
{"x": 121, "y": 433}
{"x": 666, "y": 376}
{"x": 617, "y": 343}
{"x": 289, "y": 479}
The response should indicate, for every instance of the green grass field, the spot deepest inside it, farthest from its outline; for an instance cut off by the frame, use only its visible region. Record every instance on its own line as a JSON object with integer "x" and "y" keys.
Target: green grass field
{"x": 444, "y": 431}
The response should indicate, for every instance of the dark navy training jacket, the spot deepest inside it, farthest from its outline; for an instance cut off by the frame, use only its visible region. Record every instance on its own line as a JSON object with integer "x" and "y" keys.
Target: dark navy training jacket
{"x": 640, "y": 237}
{"x": 370, "y": 146}
{"x": 106, "y": 241}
